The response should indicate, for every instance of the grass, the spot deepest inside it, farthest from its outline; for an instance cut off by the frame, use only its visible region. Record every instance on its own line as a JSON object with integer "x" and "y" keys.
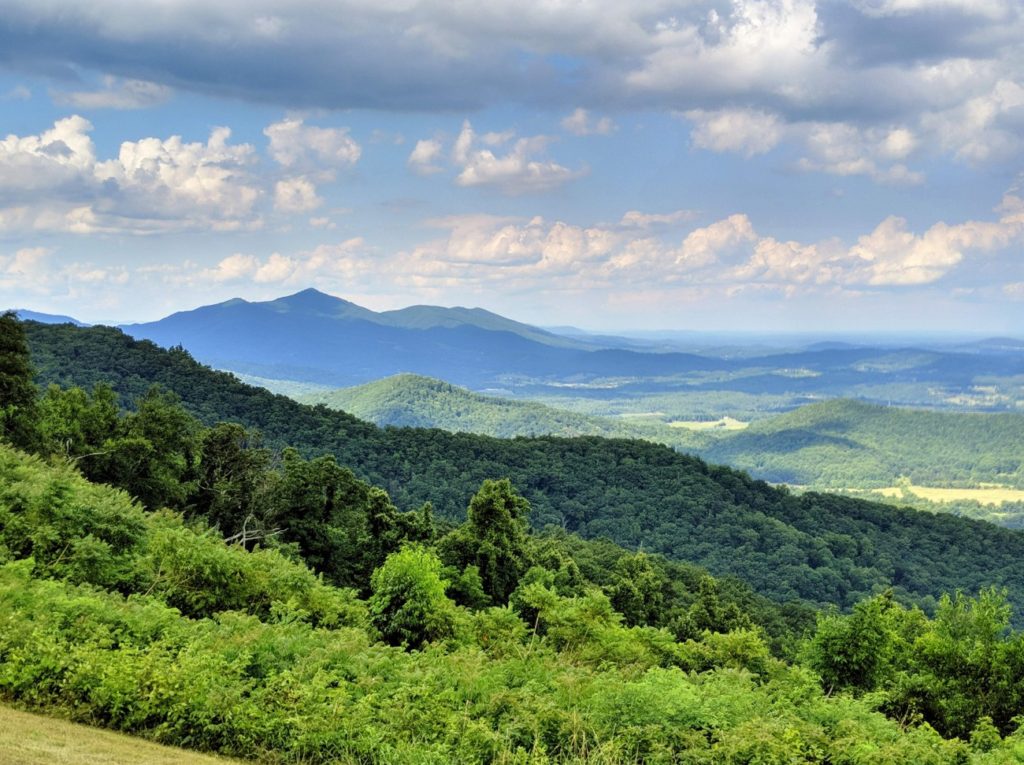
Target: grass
{"x": 988, "y": 495}
{"x": 30, "y": 739}
{"x": 725, "y": 423}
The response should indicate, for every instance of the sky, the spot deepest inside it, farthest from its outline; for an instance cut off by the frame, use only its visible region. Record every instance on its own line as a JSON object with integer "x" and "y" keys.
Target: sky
{"x": 754, "y": 165}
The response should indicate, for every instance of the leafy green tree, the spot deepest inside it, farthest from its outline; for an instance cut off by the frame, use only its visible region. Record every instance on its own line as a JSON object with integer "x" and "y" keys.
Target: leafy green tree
{"x": 638, "y": 592}
{"x": 343, "y": 527}
{"x": 408, "y": 605}
{"x": 233, "y": 478}
{"x": 155, "y": 453}
{"x": 80, "y": 426}
{"x": 493, "y": 538}
{"x": 860, "y": 651}
{"x": 18, "y": 411}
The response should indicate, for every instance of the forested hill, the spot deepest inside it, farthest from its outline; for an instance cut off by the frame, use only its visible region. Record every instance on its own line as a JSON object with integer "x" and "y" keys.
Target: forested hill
{"x": 416, "y": 401}
{"x": 853, "y": 444}
{"x": 818, "y": 547}
{"x": 840, "y": 443}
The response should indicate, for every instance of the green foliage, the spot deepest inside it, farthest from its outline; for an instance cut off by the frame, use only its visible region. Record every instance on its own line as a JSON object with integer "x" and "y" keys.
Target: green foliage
{"x": 17, "y": 391}
{"x": 90, "y": 534}
{"x": 817, "y": 548}
{"x": 233, "y": 482}
{"x": 199, "y": 643}
{"x": 962, "y": 671}
{"x": 493, "y": 539}
{"x": 408, "y": 605}
{"x": 850, "y": 444}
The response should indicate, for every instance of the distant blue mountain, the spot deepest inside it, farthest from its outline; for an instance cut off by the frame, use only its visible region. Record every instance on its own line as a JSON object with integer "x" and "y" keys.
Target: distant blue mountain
{"x": 46, "y": 318}
{"x": 319, "y": 338}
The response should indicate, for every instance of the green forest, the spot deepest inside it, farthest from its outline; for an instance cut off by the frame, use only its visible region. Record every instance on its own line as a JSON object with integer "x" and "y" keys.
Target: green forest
{"x": 167, "y": 571}
{"x": 819, "y": 548}
{"x": 834, "y": 444}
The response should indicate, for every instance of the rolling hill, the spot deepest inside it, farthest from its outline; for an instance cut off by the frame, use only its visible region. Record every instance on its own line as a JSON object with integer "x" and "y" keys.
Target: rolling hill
{"x": 815, "y": 547}
{"x": 845, "y": 443}
{"x": 838, "y": 444}
{"x": 415, "y": 401}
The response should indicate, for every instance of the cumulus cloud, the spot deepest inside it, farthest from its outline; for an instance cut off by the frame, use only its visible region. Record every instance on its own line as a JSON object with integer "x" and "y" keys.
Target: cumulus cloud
{"x": 425, "y": 156}
{"x": 55, "y": 181}
{"x": 729, "y": 253}
{"x": 116, "y": 93}
{"x": 946, "y": 69}
{"x": 34, "y": 270}
{"x": 516, "y": 168}
{"x": 581, "y": 123}
{"x": 838, "y": 148}
{"x": 744, "y": 131}
{"x": 325, "y": 263}
{"x": 295, "y": 195}
{"x": 298, "y": 146}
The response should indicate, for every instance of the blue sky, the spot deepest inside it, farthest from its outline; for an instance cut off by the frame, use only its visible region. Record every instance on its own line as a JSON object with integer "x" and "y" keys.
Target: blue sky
{"x": 747, "y": 165}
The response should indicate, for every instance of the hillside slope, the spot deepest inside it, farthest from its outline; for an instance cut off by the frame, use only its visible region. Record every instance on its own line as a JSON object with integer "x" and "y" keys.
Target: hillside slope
{"x": 820, "y": 548}
{"x": 415, "y": 401}
{"x": 840, "y": 443}
{"x": 31, "y": 739}
{"x": 846, "y": 443}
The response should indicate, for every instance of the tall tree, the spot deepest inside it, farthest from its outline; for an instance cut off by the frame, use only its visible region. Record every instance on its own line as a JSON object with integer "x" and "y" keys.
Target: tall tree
{"x": 18, "y": 395}
{"x": 493, "y": 538}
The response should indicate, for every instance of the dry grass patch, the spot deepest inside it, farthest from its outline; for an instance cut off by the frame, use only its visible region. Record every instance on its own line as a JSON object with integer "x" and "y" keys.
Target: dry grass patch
{"x": 30, "y": 739}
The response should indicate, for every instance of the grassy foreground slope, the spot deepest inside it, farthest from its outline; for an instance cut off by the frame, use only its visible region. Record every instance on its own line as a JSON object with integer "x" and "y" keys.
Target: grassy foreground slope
{"x": 31, "y": 739}
{"x": 819, "y": 548}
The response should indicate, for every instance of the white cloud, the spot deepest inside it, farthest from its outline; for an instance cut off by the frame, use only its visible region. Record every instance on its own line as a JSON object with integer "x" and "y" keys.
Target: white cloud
{"x": 424, "y": 157}
{"x": 637, "y": 219}
{"x": 581, "y": 123}
{"x": 231, "y": 268}
{"x": 116, "y": 93}
{"x": 744, "y": 131}
{"x": 893, "y": 255}
{"x": 517, "y": 171}
{"x": 985, "y": 127}
{"x": 727, "y": 254}
{"x": 295, "y": 195}
{"x": 54, "y": 181}
{"x": 298, "y": 146}
{"x": 843, "y": 149}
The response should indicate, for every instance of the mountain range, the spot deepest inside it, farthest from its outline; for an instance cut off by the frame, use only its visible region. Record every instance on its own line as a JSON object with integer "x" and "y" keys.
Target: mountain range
{"x": 317, "y": 338}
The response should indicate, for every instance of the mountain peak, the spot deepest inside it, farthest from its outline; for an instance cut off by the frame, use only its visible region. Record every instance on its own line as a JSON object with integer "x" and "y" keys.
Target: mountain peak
{"x": 313, "y": 301}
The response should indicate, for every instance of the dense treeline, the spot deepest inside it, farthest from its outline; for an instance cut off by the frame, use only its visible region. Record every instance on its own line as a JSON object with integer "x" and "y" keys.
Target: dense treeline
{"x": 850, "y": 444}
{"x": 409, "y": 400}
{"x": 838, "y": 444}
{"x": 815, "y": 547}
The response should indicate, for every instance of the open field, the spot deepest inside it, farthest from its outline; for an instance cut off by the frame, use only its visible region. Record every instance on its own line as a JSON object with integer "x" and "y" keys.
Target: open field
{"x": 988, "y": 495}
{"x": 29, "y": 739}
{"x": 725, "y": 423}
